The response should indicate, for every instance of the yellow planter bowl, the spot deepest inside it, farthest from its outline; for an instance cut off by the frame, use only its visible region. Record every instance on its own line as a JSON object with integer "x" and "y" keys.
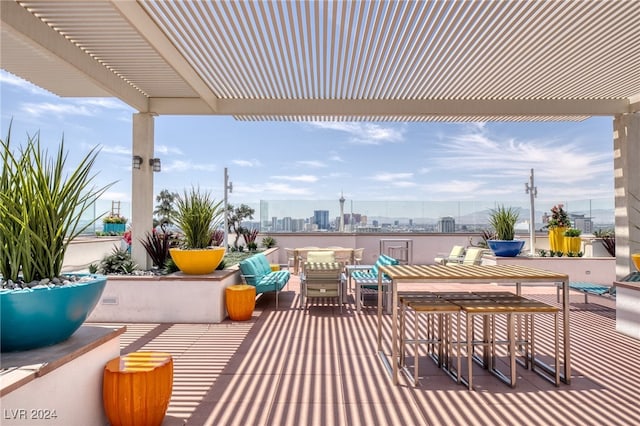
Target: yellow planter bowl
{"x": 636, "y": 260}
{"x": 572, "y": 244}
{"x": 197, "y": 261}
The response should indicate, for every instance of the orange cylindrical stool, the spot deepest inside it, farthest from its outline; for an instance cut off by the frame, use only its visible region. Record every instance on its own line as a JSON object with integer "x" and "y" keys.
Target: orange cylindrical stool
{"x": 137, "y": 387}
{"x": 241, "y": 301}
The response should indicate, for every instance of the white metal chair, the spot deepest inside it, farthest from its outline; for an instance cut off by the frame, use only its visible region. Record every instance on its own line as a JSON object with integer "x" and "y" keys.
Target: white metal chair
{"x": 454, "y": 256}
{"x": 322, "y": 280}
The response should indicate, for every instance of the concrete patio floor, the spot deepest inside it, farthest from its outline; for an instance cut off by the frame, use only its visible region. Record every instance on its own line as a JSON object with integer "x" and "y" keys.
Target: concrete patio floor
{"x": 287, "y": 367}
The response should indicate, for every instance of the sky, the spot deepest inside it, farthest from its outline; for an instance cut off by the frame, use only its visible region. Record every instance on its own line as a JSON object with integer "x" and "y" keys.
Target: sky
{"x": 364, "y": 161}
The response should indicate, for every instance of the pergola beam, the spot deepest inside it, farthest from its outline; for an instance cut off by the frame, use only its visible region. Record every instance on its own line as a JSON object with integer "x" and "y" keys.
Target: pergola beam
{"x": 379, "y": 107}
{"x": 48, "y": 42}
{"x": 141, "y": 21}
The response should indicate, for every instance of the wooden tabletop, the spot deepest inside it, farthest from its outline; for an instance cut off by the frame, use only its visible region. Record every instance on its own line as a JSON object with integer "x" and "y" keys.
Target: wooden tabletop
{"x": 470, "y": 272}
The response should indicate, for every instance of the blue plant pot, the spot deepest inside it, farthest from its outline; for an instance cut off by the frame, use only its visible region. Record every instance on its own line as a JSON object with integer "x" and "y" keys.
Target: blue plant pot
{"x": 35, "y": 318}
{"x": 506, "y": 248}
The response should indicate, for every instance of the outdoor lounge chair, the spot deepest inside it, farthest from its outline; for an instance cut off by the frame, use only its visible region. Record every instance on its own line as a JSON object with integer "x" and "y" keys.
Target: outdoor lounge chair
{"x": 454, "y": 256}
{"x": 473, "y": 256}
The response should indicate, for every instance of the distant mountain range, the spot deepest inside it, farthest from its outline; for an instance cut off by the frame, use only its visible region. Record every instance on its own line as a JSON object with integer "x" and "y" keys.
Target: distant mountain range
{"x": 481, "y": 217}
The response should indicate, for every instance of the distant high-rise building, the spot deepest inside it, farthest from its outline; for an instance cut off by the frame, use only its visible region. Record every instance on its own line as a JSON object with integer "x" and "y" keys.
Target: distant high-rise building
{"x": 446, "y": 224}
{"x": 341, "y": 223}
{"x": 297, "y": 225}
{"x": 321, "y": 218}
{"x": 585, "y": 224}
{"x": 274, "y": 224}
{"x": 264, "y": 214}
{"x": 286, "y": 224}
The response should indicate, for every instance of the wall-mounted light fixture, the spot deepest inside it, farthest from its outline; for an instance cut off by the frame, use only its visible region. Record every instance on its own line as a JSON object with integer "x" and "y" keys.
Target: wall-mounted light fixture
{"x": 155, "y": 164}
{"x": 137, "y": 161}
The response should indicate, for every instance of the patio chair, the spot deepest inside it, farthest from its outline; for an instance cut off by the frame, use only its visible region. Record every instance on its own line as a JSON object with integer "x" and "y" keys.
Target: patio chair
{"x": 366, "y": 281}
{"x": 454, "y": 256}
{"x": 473, "y": 256}
{"x": 358, "y": 255}
{"x": 322, "y": 256}
{"x": 291, "y": 257}
{"x": 343, "y": 255}
{"x": 322, "y": 280}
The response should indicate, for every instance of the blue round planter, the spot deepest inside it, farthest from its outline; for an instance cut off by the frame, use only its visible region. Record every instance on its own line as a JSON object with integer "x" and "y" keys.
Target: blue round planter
{"x": 506, "y": 248}
{"x": 35, "y": 318}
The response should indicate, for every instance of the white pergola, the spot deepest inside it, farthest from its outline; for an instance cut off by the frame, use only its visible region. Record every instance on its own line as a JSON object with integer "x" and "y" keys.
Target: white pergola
{"x": 299, "y": 60}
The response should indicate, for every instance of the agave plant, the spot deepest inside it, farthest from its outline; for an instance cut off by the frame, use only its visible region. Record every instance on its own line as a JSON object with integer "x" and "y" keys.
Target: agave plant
{"x": 197, "y": 215}
{"x": 503, "y": 220}
{"x": 41, "y": 208}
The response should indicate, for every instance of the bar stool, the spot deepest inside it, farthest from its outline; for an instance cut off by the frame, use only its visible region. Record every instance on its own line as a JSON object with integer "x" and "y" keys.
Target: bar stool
{"x": 530, "y": 308}
{"x": 510, "y": 305}
{"x": 440, "y": 335}
{"x": 473, "y": 304}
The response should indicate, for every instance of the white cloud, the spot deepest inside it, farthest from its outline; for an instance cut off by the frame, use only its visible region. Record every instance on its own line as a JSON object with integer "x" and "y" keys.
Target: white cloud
{"x": 57, "y": 109}
{"x": 390, "y": 177}
{"x": 103, "y": 103}
{"x": 334, "y": 156}
{"x": 167, "y": 150}
{"x": 7, "y": 78}
{"x": 314, "y": 164}
{"x": 365, "y": 133}
{"x": 553, "y": 160}
{"x": 277, "y": 189}
{"x": 247, "y": 163}
{"x": 299, "y": 178}
{"x": 116, "y": 196}
{"x": 115, "y": 149}
{"x": 403, "y": 184}
{"x": 182, "y": 166}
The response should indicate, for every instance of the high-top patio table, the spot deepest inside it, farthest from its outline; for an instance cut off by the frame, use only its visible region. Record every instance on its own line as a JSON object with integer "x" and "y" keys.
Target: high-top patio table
{"x": 477, "y": 274}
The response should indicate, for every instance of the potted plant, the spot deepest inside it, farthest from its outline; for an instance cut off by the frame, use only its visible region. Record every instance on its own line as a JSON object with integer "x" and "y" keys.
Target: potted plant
{"x": 114, "y": 223}
{"x": 268, "y": 242}
{"x": 42, "y": 210}
{"x": 557, "y": 225}
{"x": 503, "y": 220}
{"x": 198, "y": 216}
{"x": 572, "y": 241}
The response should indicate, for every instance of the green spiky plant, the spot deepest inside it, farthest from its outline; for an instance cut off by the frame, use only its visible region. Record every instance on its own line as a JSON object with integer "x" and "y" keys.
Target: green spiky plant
{"x": 503, "y": 220}
{"x": 42, "y": 205}
{"x": 197, "y": 215}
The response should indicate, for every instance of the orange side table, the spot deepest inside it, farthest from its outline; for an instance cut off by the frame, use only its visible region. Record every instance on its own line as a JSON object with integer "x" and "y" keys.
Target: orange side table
{"x": 240, "y": 300}
{"x": 137, "y": 387}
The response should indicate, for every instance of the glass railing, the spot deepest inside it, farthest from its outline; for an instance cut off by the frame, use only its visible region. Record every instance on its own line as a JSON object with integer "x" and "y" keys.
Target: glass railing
{"x": 418, "y": 216}
{"x": 397, "y": 216}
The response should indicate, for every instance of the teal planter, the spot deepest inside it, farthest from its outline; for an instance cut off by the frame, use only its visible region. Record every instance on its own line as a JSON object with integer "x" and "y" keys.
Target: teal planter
{"x": 114, "y": 227}
{"x": 35, "y": 318}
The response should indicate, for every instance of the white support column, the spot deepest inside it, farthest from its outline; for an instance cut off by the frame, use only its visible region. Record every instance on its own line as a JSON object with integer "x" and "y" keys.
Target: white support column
{"x": 142, "y": 187}
{"x": 626, "y": 162}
